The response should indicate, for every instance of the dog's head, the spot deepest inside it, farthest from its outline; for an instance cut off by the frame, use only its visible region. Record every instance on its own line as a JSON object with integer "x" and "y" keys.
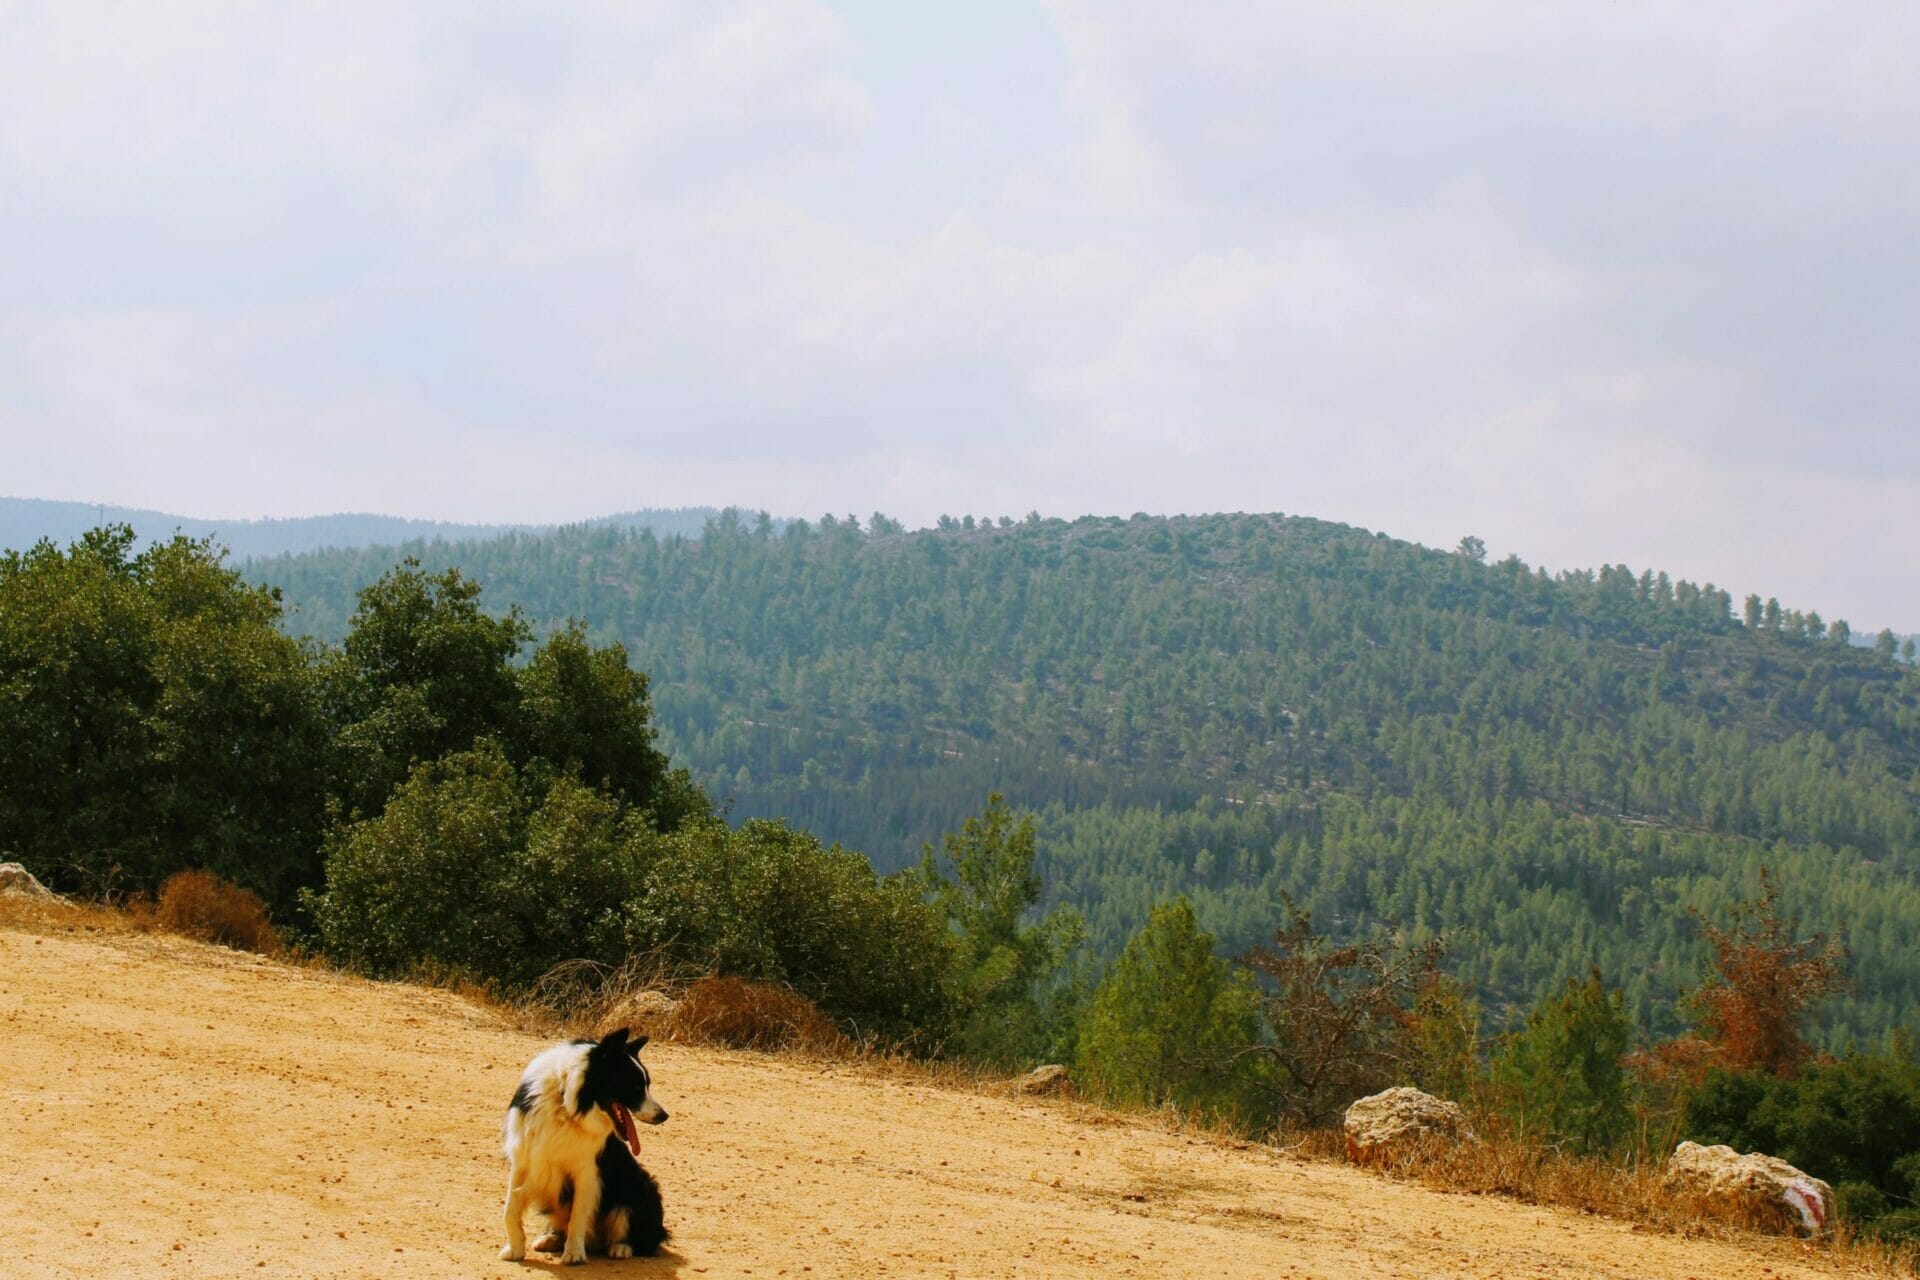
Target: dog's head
{"x": 616, "y": 1081}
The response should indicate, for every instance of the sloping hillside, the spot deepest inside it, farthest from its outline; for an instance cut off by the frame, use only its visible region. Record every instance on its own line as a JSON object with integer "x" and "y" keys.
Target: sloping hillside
{"x": 1238, "y": 707}
{"x": 180, "y": 1110}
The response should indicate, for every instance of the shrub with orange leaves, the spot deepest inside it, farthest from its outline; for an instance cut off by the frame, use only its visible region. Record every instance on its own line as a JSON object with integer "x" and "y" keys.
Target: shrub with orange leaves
{"x": 1765, "y": 979}
{"x": 201, "y": 905}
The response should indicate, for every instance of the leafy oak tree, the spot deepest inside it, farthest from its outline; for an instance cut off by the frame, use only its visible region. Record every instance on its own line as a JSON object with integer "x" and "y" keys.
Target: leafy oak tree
{"x": 156, "y": 719}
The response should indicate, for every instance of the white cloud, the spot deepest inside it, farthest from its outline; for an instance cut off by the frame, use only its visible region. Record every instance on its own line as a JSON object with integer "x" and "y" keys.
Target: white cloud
{"x": 1608, "y": 283}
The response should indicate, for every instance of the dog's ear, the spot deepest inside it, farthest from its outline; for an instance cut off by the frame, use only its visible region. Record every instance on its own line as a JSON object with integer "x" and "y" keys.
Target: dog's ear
{"x": 616, "y": 1039}
{"x": 639, "y": 1043}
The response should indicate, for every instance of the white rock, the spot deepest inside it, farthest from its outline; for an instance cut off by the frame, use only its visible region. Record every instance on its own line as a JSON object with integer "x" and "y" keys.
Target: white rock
{"x": 1378, "y": 1122}
{"x": 15, "y": 878}
{"x": 1050, "y": 1079}
{"x": 1760, "y": 1188}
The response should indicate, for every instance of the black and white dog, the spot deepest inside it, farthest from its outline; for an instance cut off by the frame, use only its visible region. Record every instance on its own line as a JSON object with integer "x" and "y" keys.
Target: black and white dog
{"x": 572, "y": 1148}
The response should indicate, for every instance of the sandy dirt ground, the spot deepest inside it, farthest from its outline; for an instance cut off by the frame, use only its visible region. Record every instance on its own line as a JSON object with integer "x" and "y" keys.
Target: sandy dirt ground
{"x": 172, "y": 1109}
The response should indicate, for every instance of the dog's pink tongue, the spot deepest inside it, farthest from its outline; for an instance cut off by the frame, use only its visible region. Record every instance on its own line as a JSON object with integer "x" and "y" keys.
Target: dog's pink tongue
{"x": 628, "y": 1134}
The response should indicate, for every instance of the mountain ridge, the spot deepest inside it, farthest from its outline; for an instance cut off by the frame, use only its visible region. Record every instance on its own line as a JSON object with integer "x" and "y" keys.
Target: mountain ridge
{"x": 1250, "y": 707}
{"x": 25, "y": 521}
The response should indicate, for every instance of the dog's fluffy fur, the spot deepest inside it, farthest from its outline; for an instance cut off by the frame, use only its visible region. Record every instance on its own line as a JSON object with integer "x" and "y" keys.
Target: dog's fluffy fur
{"x": 570, "y": 1146}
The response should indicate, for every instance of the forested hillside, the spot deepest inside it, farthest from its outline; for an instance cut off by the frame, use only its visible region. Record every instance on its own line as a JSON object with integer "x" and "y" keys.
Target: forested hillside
{"x": 1245, "y": 707}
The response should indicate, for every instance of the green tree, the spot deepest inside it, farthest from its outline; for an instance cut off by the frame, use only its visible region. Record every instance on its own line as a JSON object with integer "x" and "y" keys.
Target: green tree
{"x": 1004, "y": 962}
{"x": 156, "y": 719}
{"x": 584, "y": 710}
{"x": 424, "y": 672}
{"x": 1170, "y": 1022}
{"x": 1560, "y": 1079}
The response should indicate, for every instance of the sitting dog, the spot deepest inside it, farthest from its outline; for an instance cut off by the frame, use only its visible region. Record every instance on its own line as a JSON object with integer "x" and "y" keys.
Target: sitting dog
{"x": 571, "y": 1152}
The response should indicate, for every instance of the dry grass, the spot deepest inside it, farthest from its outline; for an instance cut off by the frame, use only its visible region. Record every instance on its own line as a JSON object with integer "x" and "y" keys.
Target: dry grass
{"x": 1631, "y": 1190}
{"x": 192, "y": 904}
{"x": 199, "y": 904}
{"x": 586, "y": 998}
{"x": 65, "y": 915}
{"x": 669, "y": 1001}
{"x": 736, "y": 1014}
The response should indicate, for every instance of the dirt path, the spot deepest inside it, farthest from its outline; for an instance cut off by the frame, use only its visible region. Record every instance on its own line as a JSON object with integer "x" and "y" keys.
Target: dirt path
{"x": 177, "y": 1110}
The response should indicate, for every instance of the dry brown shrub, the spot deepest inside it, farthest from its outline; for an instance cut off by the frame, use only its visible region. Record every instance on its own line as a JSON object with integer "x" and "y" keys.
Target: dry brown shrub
{"x": 737, "y": 1014}
{"x": 199, "y": 904}
{"x": 1766, "y": 976}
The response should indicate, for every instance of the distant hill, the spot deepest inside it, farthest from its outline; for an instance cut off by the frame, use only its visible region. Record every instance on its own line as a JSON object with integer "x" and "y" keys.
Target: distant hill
{"x": 24, "y": 521}
{"x": 1246, "y": 707}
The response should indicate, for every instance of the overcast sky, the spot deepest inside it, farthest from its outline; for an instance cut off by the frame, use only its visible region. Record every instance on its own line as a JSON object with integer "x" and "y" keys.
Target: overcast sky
{"x": 1598, "y": 283}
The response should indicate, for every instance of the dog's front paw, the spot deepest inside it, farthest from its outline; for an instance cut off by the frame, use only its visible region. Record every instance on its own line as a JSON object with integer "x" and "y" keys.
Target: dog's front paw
{"x": 573, "y": 1257}
{"x": 549, "y": 1243}
{"x": 619, "y": 1251}
{"x": 512, "y": 1253}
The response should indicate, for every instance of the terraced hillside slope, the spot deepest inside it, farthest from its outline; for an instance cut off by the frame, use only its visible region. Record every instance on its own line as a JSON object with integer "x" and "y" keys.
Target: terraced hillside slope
{"x": 174, "y": 1109}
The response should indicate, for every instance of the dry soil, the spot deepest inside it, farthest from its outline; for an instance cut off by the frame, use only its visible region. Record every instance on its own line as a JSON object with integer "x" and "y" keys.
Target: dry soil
{"x": 173, "y": 1109}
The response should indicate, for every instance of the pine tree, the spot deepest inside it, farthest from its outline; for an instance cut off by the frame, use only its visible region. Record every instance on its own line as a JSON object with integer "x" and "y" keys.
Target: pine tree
{"x": 1560, "y": 1079}
{"x": 1169, "y": 1021}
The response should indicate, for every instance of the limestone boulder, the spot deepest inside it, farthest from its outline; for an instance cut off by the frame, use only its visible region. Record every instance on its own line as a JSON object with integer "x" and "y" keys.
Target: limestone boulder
{"x": 1051, "y": 1080}
{"x": 1756, "y": 1189}
{"x": 15, "y": 878}
{"x": 1395, "y": 1119}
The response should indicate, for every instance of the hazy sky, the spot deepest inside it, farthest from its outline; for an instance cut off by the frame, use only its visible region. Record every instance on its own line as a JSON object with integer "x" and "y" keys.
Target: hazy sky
{"x": 1612, "y": 282}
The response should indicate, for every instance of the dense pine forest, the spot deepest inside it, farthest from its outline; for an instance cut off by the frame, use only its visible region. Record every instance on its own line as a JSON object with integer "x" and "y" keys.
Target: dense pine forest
{"x": 1254, "y": 708}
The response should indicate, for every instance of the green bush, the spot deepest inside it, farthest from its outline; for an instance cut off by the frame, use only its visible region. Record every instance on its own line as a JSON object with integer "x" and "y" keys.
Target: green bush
{"x": 1901, "y": 1224}
{"x": 1853, "y": 1120}
{"x": 479, "y": 868}
{"x": 464, "y": 870}
{"x": 773, "y": 904}
{"x": 1860, "y": 1202}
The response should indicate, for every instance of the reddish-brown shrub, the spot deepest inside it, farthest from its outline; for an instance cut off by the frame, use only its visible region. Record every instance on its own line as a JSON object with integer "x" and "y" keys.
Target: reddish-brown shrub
{"x": 1764, "y": 980}
{"x": 752, "y": 1015}
{"x": 201, "y": 905}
